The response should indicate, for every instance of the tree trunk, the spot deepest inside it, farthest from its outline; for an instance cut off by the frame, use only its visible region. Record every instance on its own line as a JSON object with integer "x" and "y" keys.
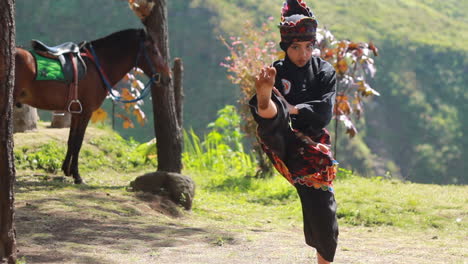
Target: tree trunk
{"x": 179, "y": 89}
{"x": 60, "y": 120}
{"x": 24, "y": 118}
{"x": 7, "y": 166}
{"x": 166, "y": 126}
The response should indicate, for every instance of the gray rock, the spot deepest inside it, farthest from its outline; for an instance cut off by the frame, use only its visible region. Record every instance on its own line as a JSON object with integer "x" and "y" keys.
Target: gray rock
{"x": 180, "y": 188}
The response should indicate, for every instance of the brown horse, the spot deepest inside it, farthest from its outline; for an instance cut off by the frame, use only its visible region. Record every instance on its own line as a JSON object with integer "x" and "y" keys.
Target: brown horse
{"x": 116, "y": 54}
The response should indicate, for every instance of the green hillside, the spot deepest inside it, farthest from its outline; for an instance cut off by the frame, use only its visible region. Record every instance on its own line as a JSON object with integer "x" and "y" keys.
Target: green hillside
{"x": 438, "y": 23}
{"x": 414, "y": 130}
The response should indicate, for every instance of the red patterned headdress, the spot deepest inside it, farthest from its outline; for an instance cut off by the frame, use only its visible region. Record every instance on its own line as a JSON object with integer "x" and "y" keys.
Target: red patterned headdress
{"x": 298, "y": 23}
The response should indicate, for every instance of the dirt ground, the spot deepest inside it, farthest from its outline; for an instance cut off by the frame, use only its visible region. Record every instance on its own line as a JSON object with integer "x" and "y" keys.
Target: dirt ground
{"x": 47, "y": 234}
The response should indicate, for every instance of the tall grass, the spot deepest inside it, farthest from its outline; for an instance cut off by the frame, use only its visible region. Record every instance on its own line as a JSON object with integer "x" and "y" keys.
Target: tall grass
{"x": 221, "y": 151}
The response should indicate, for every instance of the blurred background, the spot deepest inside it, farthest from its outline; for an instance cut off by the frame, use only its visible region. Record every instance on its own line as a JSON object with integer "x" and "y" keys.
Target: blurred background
{"x": 413, "y": 131}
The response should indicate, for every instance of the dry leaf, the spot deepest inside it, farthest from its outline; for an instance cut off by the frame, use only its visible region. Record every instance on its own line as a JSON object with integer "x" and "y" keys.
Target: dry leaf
{"x": 99, "y": 116}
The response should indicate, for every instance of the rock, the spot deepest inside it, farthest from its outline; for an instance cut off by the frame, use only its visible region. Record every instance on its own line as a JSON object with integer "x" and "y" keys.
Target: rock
{"x": 180, "y": 188}
{"x": 150, "y": 182}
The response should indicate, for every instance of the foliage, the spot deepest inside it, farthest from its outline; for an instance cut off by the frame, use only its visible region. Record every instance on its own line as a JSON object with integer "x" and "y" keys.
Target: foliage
{"x": 107, "y": 151}
{"x": 422, "y": 121}
{"x": 221, "y": 150}
{"x": 117, "y": 153}
{"x": 120, "y": 90}
{"x": 249, "y": 53}
{"x": 353, "y": 65}
{"x": 47, "y": 157}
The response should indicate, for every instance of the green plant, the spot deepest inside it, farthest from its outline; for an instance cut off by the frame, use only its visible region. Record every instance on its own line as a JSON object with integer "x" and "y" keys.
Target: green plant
{"x": 221, "y": 150}
{"x": 47, "y": 157}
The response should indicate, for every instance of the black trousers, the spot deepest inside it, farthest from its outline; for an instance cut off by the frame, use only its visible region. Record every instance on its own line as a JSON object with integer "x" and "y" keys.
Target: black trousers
{"x": 320, "y": 221}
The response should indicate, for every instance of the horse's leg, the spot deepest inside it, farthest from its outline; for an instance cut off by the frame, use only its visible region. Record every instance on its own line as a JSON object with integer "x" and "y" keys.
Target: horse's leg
{"x": 66, "y": 166}
{"x": 75, "y": 140}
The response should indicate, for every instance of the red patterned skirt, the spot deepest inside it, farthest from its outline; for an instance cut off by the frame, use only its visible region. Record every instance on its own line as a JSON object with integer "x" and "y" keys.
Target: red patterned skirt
{"x": 308, "y": 160}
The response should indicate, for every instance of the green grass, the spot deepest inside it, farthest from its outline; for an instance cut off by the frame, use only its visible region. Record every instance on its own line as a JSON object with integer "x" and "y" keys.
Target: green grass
{"x": 104, "y": 149}
{"x": 361, "y": 201}
{"x": 376, "y": 201}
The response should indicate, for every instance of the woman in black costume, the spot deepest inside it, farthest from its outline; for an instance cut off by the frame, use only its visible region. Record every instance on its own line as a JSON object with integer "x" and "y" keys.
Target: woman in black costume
{"x": 293, "y": 104}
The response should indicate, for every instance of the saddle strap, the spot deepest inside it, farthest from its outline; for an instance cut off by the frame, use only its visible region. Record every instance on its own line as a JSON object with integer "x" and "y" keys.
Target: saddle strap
{"x": 73, "y": 89}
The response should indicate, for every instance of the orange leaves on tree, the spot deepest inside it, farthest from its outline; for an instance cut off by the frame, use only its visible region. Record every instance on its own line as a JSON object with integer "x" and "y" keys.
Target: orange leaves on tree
{"x": 328, "y": 53}
{"x": 366, "y": 90}
{"x": 140, "y": 115}
{"x": 350, "y": 128}
{"x": 374, "y": 49}
{"x": 127, "y": 94}
{"x": 99, "y": 115}
{"x": 357, "y": 105}
{"x": 342, "y": 105}
{"x": 353, "y": 64}
{"x": 127, "y": 123}
{"x": 341, "y": 66}
{"x": 131, "y": 93}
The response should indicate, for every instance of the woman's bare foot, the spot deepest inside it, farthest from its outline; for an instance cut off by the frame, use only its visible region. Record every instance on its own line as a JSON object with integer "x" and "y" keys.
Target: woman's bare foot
{"x": 264, "y": 86}
{"x": 321, "y": 260}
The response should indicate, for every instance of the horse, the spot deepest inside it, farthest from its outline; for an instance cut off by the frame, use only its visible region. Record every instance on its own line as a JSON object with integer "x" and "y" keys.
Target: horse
{"x": 111, "y": 57}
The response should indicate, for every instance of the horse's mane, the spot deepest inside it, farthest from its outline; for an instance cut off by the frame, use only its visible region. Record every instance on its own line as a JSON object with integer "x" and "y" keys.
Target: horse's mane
{"x": 122, "y": 36}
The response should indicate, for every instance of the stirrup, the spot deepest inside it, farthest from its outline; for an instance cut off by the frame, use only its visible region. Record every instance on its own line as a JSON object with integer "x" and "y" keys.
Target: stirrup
{"x": 75, "y": 102}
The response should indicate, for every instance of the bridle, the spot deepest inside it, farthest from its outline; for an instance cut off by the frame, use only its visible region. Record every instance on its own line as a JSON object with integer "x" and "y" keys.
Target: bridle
{"x": 155, "y": 76}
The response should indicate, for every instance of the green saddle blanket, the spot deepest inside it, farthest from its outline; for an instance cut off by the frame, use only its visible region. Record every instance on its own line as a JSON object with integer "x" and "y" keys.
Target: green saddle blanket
{"x": 48, "y": 69}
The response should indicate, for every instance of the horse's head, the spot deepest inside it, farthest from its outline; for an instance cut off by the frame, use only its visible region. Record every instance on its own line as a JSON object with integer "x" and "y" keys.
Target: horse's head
{"x": 150, "y": 59}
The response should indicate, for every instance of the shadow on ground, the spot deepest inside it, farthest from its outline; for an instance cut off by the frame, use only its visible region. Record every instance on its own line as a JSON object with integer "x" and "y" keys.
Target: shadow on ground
{"x": 65, "y": 226}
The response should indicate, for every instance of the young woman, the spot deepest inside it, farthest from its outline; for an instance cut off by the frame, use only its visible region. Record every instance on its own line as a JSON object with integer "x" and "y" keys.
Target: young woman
{"x": 293, "y": 103}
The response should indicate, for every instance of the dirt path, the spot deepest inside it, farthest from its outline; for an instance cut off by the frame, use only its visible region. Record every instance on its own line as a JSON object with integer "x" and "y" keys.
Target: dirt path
{"x": 49, "y": 234}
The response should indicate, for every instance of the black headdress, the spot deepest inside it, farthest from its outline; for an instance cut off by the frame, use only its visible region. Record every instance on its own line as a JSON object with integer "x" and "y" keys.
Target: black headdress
{"x": 298, "y": 23}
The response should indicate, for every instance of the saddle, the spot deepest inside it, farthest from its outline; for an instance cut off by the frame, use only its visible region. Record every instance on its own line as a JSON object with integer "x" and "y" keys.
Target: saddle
{"x": 65, "y": 53}
{"x": 73, "y": 67}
